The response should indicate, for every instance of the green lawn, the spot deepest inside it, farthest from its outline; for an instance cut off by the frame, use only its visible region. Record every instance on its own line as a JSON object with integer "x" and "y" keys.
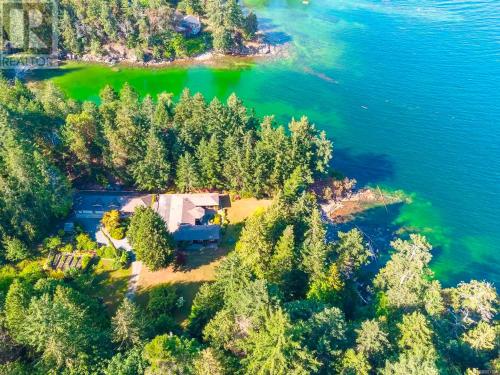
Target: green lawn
{"x": 113, "y": 284}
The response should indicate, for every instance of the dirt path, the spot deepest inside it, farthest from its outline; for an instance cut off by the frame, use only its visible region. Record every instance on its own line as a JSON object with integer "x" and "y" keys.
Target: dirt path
{"x": 134, "y": 279}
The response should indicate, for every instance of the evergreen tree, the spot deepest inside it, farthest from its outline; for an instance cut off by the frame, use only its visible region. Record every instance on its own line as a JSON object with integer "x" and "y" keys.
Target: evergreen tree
{"x": 274, "y": 350}
{"x": 217, "y": 119}
{"x": 282, "y": 261}
{"x": 170, "y": 354}
{"x": 416, "y": 335}
{"x": 61, "y": 329}
{"x": 315, "y": 249}
{"x": 209, "y": 363}
{"x": 154, "y": 170}
{"x": 15, "y": 249}
{"x": 68, "y": 33}
{"x": 404, "y": 279}
{"x": 481, "y": 337}
{"x": 125, "y": 137}
{"x": 16, "y": 305}
{"x": 222, "y": 41}
{"x": 255, "y": 245}
{"x": 354, "y": 363}
{"x": 82, "y": 135}
{"x": 233, "y": 16}
{"x": 128, "y": 363}
{"x": 371, "y": 339}
{"x": 128, "y": 326}
{"x": 351, "y": 251}
{"x": 27, "y": 176}
{"x": 187, "y": 178}
{"x": 250, "y": 25}
{"x": 189, "y": 119}
{"x": 209, "y": 162}
{"x": 163, "y": 111}
{"x": 150, "y": 238}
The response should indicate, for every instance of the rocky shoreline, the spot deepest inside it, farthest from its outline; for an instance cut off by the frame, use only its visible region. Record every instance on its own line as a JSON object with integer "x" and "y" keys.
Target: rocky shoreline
{"x": 343, "y": 210}
{"x": 260, "y": 48}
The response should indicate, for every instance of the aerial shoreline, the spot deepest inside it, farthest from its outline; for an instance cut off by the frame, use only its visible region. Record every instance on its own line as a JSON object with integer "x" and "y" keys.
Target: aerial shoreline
{"x": 209, "y": 58}
{"x": 261, "y": 48}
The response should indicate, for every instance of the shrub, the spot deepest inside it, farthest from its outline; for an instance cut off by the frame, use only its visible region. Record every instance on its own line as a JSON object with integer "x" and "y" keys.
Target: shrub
{"x": 108, "y": 252}
{"x": 32, "y": 271}
{"x": 85, "y": 243}
{"x": 179, "y": 45}
{"x": 117, "y": 233}
{"x": 196, "y": 46}
{"x": 78, "y": 229}
{"x": 327, "y": 193}
{"x": 180, "y": 258}
{"x": 15, "y": 249}
{"x": 102, "y": 180}
{"x": 139, "y": 54}
{"x": 68, "y": 248}
{"x": 125, "y": 259}
{"x": 85, "y": 261}
{"x": 217, "y": 219}
{"x": 7, "y": 276}
{"x": 52, "y": 243}
{"x": 95, "y": 47}
{"x": 162, "y": 300}
{"x": 122, "y": 260}
{"x": 157, "y": 53}
{"x": 111, "y": 220}
{"x": 163, "y": 324}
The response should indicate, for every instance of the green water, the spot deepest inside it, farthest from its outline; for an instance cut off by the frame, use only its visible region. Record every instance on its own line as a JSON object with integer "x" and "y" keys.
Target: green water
{"x": 408, "y": 91}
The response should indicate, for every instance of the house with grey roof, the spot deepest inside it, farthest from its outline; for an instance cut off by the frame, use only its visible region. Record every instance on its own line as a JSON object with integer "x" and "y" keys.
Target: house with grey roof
{"x": 189, "y": 25}
{"x": 187, "y": 216}
{"x": 93, "y": 204}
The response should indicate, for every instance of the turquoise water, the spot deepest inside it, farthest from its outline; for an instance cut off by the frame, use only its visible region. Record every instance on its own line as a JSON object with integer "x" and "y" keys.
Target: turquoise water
{"x": 408, "y": 90}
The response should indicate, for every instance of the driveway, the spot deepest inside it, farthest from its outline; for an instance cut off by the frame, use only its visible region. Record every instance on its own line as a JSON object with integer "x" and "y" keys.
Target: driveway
{"x": 133, "y": 282}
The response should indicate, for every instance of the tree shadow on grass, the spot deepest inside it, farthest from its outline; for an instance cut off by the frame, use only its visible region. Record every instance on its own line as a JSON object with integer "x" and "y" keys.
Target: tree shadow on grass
{"x": 111, "y": 288}
{"x": 198, "y": 258}
{"x": 207, "y": 255}
{"x": 231, "y": 235}
{"x": 185, "y": 289}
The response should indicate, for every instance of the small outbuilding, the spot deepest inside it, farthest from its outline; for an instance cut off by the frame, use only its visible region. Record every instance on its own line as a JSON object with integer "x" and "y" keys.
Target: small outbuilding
{"x": 190, "y": 25}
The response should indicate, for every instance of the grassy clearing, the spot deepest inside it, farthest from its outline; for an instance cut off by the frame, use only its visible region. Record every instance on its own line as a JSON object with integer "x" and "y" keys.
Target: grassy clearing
{"x": 200, "y": 264}
{"x": 243, "y": 208}
{"x": 113, "y": 284}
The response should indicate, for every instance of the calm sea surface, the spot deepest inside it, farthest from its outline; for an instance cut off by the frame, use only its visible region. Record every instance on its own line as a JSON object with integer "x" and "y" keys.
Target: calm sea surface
{"x": 408, "y": 90}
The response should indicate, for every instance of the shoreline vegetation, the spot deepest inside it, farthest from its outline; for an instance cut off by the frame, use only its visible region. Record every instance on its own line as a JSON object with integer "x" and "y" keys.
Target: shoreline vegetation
{"x": 149, "y": 144}
{"x": 286, "y": 299}
{"x": 260, "y": 48}
{"x": 158, "y": 33}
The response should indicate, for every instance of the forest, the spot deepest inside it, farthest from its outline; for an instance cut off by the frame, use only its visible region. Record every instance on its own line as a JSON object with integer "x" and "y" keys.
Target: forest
{"x": 286, "y": 300}
{"x": 50, "y": 144}
{"x": 149, "y": 29}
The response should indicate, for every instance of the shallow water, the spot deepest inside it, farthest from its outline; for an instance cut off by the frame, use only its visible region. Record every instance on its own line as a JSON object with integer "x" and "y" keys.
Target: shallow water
{"x": 408, "y": 90}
